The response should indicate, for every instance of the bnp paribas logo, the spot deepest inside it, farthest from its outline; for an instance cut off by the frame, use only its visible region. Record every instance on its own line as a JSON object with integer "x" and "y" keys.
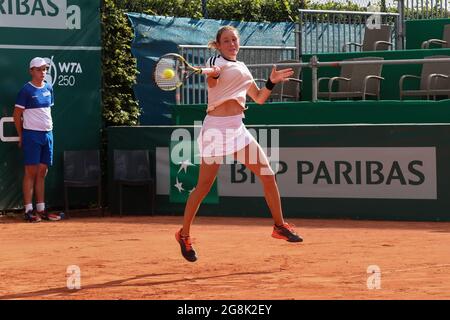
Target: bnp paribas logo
{"x": 41, "y": 14}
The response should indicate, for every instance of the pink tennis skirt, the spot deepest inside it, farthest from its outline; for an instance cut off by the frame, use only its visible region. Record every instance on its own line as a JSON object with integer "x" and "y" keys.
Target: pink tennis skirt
{"x": 221, "y": 136}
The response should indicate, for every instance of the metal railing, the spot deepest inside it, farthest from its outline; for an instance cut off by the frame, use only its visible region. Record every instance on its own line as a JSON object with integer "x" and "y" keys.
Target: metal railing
{"x": 329, "y": 30}
{"x": 194, "y": 90}
{"x": 318, "y": 31}
{"x": 315, "y": 64}
{"x": 424, "y": 9}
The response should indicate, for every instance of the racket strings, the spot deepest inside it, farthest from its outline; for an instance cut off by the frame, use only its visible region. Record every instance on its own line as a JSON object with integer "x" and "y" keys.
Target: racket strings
{"x": 161, "y": 70}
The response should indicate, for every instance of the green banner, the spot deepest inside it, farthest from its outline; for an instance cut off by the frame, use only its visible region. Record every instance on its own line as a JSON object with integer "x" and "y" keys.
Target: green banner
{"x": 418, "y": 31}
{"x": 371, "y": 171}
{"x": 67, "y": 35}
{"x": 184, "y": 172}
{"x": 331, "y": 112}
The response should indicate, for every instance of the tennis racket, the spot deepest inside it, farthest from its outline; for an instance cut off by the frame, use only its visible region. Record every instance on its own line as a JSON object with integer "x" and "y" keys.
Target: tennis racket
{"x": 171, "y": 70}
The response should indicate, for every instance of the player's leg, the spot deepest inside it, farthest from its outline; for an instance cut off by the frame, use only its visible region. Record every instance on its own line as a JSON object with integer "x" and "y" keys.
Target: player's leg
{"x": 46, "y": 161}
{"x": 41, "y": 173}
{"x": 29, "y": 179}
{"x": 30, "y": 148}
{"x": 254, "y": 158}
{"x": 207, "y": 175}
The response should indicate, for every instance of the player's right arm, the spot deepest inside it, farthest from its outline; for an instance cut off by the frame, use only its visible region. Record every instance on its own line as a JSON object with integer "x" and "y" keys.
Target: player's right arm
{"x": 213, "y": 78}
{"x": 22, "y": 101}
{"x": 17, "y": 115}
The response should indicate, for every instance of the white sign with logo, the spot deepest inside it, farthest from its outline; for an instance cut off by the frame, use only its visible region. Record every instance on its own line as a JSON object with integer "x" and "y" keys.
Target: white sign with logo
{"x": 46, "y": 14}
{"x": 379, "y": 173}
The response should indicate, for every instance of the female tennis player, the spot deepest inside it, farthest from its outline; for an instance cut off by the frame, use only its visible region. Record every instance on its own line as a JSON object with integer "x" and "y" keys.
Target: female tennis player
{"x": 224, "y": 134}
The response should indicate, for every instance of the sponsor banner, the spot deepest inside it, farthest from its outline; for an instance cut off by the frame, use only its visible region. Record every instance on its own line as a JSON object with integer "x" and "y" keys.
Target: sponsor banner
{"x": 375, "y": 172}
{"x": 50, "y": 24}
{"x": 48, "y": 14}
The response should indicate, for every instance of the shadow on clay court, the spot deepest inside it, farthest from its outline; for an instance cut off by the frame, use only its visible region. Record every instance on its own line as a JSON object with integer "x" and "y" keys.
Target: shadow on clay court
{"x": 65, "y": 292}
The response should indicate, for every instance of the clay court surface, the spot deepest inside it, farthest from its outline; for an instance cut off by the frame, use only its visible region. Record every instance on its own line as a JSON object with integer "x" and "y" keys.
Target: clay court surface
{"x": 138, "y": 258}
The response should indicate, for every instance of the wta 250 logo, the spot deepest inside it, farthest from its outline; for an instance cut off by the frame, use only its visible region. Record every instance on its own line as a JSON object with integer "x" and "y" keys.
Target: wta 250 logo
{"x": 63, "y": 74}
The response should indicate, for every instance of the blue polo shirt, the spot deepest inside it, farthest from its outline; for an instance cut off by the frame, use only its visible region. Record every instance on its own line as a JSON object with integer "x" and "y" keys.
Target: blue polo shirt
{"x": 37, "y": 103}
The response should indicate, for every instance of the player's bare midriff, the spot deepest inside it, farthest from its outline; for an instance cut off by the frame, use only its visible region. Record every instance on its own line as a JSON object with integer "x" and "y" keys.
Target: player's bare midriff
{"x": 228, "y": 108}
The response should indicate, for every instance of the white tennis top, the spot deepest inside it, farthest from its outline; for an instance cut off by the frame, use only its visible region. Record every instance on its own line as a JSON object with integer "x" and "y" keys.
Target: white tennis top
{"x": 234, "y": 81}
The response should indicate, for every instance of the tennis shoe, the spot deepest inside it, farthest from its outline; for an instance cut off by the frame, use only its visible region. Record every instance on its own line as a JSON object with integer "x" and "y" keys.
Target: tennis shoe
{"x": 185, "y": 243}
{"x": 49, "y": 216}
{"x": 286, "y": 232}
{"x": 32, "y": 216}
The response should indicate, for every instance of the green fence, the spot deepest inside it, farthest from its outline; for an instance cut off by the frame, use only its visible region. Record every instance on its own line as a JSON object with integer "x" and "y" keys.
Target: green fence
{"x": 392, "y": 172}
{"x": 418, "y": 31}
{"x": 334, "y": 112}
{"x": 406, "y": 142}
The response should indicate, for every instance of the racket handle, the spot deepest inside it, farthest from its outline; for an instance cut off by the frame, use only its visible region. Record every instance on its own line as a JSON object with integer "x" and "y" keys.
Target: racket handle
{"x": 207, "y": 70}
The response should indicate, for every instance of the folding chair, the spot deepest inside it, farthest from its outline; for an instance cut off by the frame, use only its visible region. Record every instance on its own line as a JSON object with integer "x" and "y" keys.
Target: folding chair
{"x": 444, "y": 42}
{"x": 132, "y": 168}
{"x": 374, "y": 39}
{"x": 355, "y": 81}
{"x": 434, "y": 80}
{"x": 82, "y": 170}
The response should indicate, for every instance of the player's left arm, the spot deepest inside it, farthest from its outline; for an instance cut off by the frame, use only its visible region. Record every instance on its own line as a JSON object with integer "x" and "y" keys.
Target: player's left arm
{"x": 261, "y": 95}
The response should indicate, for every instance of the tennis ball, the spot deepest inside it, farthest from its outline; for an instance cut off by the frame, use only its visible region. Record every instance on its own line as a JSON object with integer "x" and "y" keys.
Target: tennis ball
{"x": 168, "y": 74}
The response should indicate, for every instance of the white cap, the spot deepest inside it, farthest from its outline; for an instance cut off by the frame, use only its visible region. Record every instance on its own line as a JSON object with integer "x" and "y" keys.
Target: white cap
{"x": 38, "y": 62}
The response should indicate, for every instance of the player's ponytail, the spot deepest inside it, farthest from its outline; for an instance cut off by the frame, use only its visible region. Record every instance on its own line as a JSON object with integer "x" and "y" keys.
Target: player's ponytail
{"x": 214, "y": 43}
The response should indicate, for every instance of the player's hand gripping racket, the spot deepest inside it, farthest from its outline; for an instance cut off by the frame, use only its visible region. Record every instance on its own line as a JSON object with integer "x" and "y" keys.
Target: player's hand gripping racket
{"x": 172, "y": 70}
